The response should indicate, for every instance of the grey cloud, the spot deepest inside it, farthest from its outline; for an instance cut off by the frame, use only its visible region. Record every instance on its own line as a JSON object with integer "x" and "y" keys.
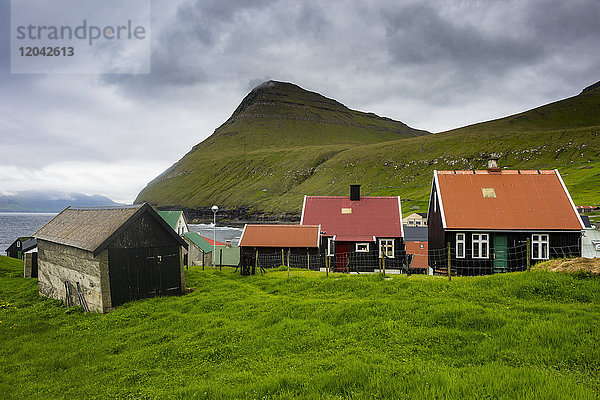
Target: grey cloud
{"x": 417, "y": 34}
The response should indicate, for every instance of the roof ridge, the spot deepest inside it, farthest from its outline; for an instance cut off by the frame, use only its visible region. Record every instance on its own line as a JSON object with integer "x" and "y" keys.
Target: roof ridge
{"x": 121, "y": 207}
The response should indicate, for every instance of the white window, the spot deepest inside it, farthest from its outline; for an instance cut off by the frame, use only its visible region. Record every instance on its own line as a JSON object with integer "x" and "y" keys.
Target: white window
{"x": 362, "y": 247}
{"x": 18, "y": 244}
{"x": 330, "y": 246}
{"x": 481, "y": 245}
{"x": 386, "y": 248}
{"x": 539, "y": 247}
{"x": 417, "y": 223}
{"x": 460, "y": 245}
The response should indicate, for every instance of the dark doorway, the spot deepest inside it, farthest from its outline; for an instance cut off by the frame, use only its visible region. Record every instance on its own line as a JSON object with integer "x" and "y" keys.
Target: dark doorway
{"x": 342, "y": 257}
{"x": 138, "y": 273}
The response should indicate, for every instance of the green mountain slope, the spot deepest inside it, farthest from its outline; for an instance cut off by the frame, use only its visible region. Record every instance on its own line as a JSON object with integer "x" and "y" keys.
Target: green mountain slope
{"x": 563, "y": 135}
{"x": 275, "y": 140}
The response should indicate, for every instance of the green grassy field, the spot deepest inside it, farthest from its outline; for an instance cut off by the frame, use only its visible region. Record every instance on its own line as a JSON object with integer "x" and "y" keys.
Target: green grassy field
{"x": 515, "y": 336}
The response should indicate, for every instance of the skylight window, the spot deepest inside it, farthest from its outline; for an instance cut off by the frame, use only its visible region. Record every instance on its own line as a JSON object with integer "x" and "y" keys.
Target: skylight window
{"x": 488, "y": 193}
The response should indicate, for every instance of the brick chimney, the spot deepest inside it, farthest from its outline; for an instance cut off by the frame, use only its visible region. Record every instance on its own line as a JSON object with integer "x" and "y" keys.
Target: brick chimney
{"x": 354, "y": 192}
{"x": 493, "y": 167}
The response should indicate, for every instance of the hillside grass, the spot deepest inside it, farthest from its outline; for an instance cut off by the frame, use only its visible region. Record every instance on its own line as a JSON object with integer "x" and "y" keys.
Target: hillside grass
{"x": 523, "y": 335}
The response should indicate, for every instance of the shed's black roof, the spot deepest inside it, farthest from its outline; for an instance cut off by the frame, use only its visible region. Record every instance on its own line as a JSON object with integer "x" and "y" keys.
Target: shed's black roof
{"x": 415, "y": 233}
{"x": 586, "y": 221}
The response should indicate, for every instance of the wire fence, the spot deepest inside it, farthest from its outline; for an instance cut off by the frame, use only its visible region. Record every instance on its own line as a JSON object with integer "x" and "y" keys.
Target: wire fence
{"x": 510, "y": 259}
{"x": 349, "y": 262}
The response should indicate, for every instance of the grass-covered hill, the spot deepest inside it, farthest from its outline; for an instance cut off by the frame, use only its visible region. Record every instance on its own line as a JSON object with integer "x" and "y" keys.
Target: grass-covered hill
{"x": 274, "y": 178}
{"x": 275, "y": 139}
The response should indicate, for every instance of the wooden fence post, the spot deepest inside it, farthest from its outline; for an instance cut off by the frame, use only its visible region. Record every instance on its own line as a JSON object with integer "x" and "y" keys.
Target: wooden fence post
{"x": 449, "y": 263}
{"x": 282, "y": 257}
{"x": 220, "y": 259}
{"x": 327, "y": 264}
{"x": 383, "y": 259}
{"x": 288, "y": 263}
{"x": 255, "y": 263}
{"x": 528, "y": 254}
{"x": 308, "y": 259}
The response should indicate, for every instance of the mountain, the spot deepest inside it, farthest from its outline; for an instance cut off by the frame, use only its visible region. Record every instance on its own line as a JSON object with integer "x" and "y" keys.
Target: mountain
{"x": 50, "y": 201}
{"x": 277, "y": 138}
{"x": 564, "y": 135}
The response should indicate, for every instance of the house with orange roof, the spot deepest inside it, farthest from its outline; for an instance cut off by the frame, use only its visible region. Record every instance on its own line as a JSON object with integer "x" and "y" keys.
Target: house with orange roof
{"x": 498, "y": 220}
{"x": 270, "y": 246}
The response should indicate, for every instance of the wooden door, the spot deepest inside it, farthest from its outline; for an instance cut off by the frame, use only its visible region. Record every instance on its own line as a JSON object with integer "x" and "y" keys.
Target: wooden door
{"x": 500, "y": 253}
{"x": 139, "y": 273}
{"x": 342, "y": 256}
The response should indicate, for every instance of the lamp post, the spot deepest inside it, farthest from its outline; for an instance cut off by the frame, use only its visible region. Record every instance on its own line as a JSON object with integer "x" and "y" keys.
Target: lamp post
{"x": 214, "y": 210}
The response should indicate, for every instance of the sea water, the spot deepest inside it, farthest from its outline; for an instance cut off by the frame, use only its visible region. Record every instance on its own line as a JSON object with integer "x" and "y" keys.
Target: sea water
{"x": 14, "y": 225}
{"x": 224, "y": 233}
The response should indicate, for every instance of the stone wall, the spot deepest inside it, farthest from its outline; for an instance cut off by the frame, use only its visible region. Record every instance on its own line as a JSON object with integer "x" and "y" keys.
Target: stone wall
{"x": 58, "y": 264}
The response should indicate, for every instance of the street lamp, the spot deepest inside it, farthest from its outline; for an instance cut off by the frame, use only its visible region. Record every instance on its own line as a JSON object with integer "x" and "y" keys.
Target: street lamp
{"x": 214, "y": 210}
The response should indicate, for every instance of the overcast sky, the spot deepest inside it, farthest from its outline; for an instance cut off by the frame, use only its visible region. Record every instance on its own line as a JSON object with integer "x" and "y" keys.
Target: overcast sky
{"x": 434, "y": 65}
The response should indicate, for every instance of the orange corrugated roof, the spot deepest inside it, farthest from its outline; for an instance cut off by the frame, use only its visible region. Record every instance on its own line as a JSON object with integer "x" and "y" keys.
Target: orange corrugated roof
{"x": 280, "y": 236}
{"x": 520, "y": 200}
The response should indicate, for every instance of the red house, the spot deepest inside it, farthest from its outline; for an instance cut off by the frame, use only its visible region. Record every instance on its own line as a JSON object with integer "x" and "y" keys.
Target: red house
{"x": 358, "y": 232}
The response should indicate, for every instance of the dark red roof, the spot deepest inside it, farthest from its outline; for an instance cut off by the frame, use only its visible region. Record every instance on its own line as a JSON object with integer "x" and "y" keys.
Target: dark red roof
{"x": 354, "y": 221}
{"x": 506, "y": 200}
{"x": 280, "y": 236}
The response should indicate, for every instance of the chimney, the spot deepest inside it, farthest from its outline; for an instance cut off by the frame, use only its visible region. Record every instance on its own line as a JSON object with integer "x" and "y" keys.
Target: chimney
{"x": 493, "y": 167}
{"x": 354, "y": 192}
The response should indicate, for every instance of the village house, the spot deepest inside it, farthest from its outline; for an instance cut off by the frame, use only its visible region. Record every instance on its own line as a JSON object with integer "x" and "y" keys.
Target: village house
{"x": 176, "y": 220}
{"x": 102, "y": 257}
{"x": 358, "y": 233}
{"x": 415, "y": 239}
{"x": 20, "y": 246}
{"x": 25, "y": 248}
{"x": 199, "y": 250}
{"x": 590, "y": 241}
{"x": 415, "y": 219}
{"x": 269, "y": 246}
{"x": 498, "y": 220}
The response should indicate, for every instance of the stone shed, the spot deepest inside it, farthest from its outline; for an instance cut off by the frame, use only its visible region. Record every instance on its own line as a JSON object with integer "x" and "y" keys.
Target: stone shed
{"x": 104, "y": 257}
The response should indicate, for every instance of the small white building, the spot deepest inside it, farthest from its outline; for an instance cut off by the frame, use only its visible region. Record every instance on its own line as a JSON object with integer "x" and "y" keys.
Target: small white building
{"x": 590, "y": 241}
{"x": 176, "y": 220}
{"x": 415, "y": 219}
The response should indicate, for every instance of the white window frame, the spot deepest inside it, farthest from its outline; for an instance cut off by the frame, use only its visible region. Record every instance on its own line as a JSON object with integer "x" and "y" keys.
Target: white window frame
{"x": 364, "y": 250}
{"x": 330, "y": 246}
{"x": 478, "y": 240}
{"x": 385, "y": 242}
{"x": 538, "y": 240}
{"x": 462, "y": 241}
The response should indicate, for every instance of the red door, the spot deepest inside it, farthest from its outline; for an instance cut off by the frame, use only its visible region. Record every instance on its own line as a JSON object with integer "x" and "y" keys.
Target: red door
{"x": 342, "y": 255}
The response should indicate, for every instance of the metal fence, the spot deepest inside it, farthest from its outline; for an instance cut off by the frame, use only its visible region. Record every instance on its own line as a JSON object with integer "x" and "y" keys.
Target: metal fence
{"x": 518, "y": 258}
{"x": 340, "y": 262}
